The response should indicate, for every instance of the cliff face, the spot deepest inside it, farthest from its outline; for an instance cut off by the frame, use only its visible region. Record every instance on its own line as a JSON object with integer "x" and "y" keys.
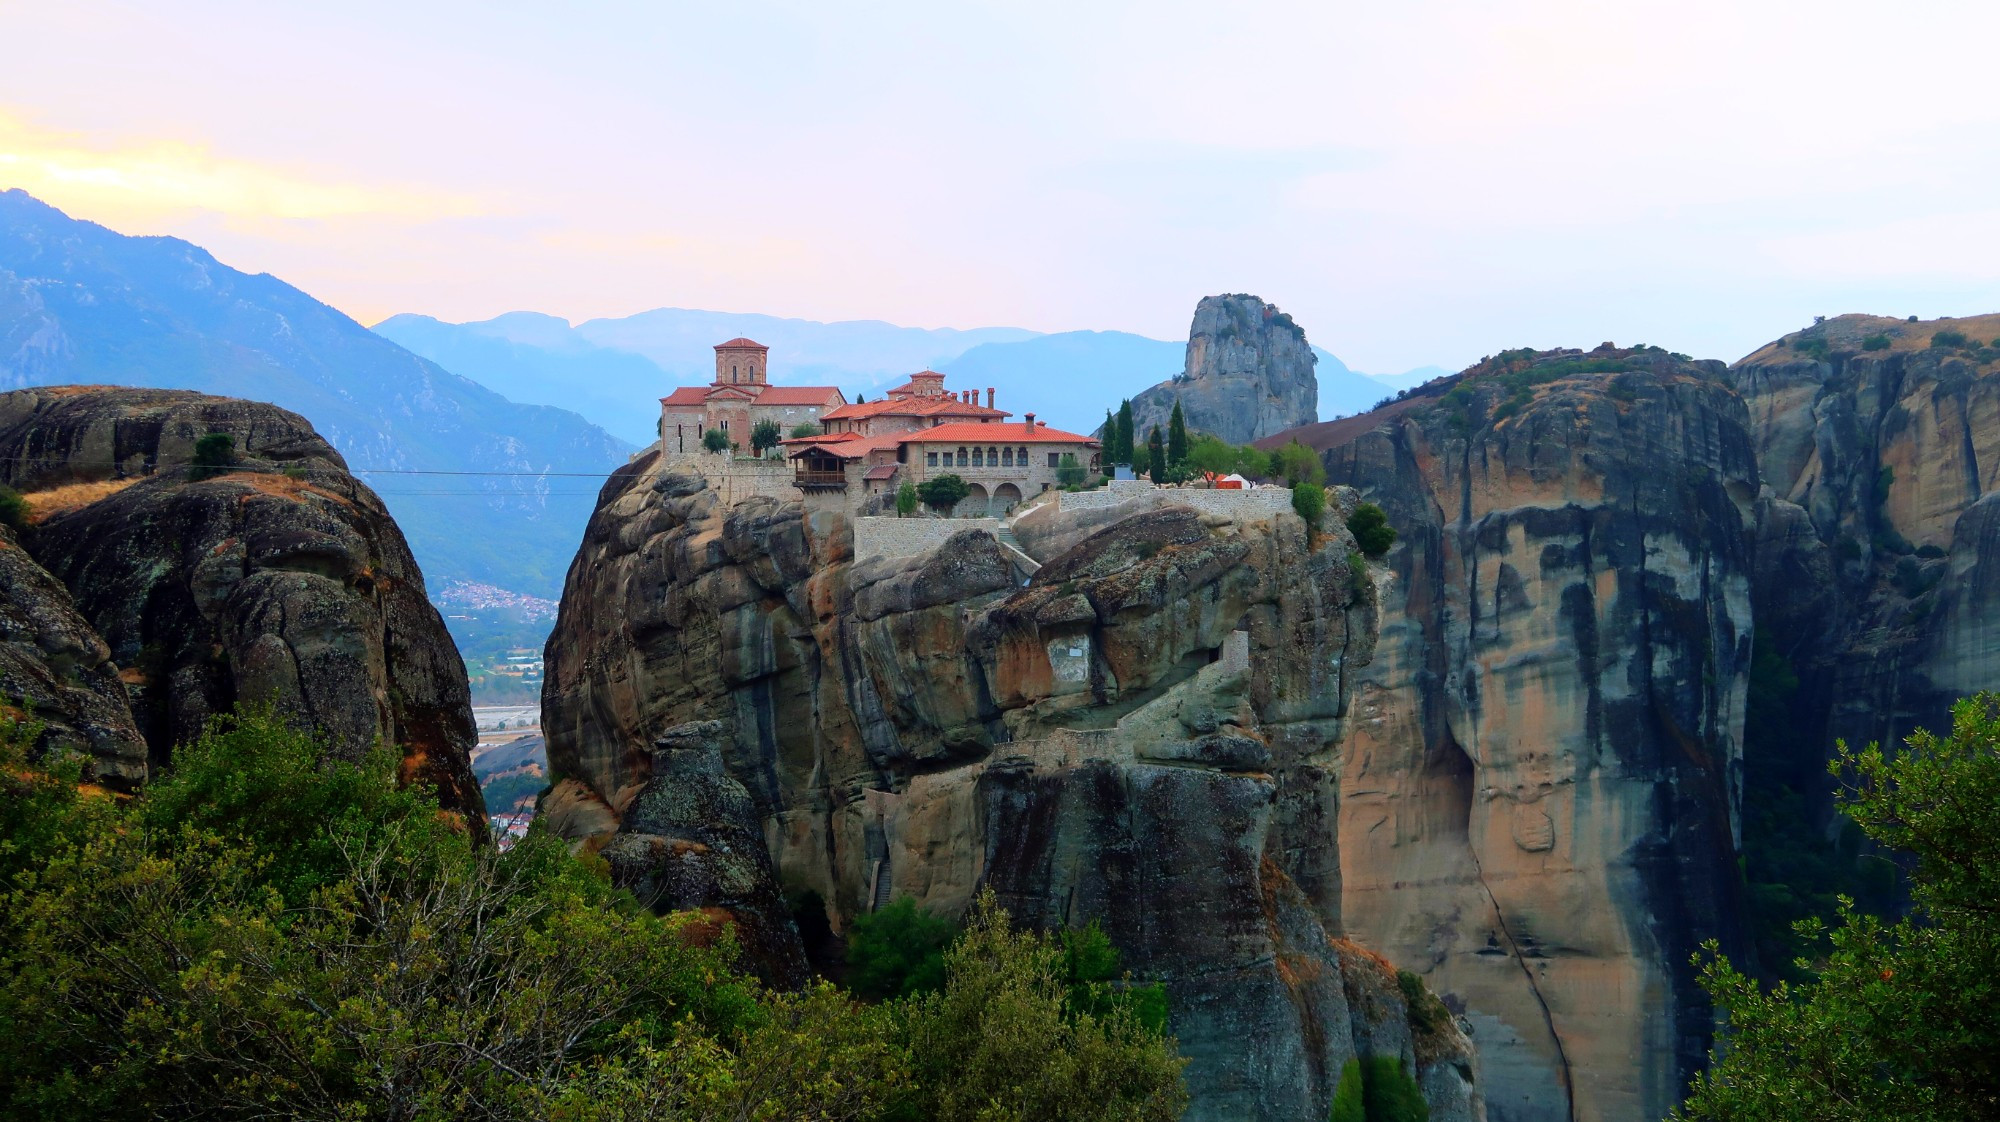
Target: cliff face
{"x": 278, "y": 579}
{"x": 1537, "y": 792}
{"x": 1146, "y": 734}
{"x": 1879, "y": 576}
{"x": 1249, "y": 374}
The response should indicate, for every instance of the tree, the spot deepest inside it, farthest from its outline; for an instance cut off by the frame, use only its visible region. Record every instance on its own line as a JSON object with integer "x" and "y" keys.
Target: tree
{"x": 1126, "y": 449}
{"x": 765, "y": 435}
{"x": 804, "y": 430}
{"x": 13, "y": 508}
{"x": 1295, "y": 463}
{"x": 1371, "y": 529}
{"x": 1309, "y": 501}
{"x": 897, "y": 950}
{"x": 1897, "y": 1020}
{"x": 906, "y": 499}
{"x": 1109, "y": 435}
{"x": 942, "y": 493}
{"x": 1177, "y": 437}
{"x": 715, "y": 440}
{"x": 1003, "y": 1040}
{"x": 212, "y": 453}
{"x": 1069, "y": 473}
{"x": 1213, "y": 454}
{"x": 1156, "y": 456}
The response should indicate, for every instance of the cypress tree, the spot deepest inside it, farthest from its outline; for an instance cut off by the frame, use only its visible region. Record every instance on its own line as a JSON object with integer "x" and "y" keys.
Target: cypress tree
{"x": 1125, "y": 448}
{"x": 1109, "y": 434}
{"x": 1156, "y": 456}
{"x": 1177, "y": 438}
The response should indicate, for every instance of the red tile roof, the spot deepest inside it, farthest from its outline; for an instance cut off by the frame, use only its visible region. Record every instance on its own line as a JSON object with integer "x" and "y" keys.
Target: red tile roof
{"x": 846, "y": 445}
{"x": 740, "y": 344}
{"x": 881, "y": 471}
{"x": 800, "y": 395}
{"x": 1002, "y": 432}
{"x": 913, "y": 407}
{"x": 687, "y": 395}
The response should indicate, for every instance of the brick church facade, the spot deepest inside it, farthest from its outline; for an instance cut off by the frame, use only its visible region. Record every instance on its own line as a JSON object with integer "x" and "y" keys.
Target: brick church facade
{"x": 738, "y": 399}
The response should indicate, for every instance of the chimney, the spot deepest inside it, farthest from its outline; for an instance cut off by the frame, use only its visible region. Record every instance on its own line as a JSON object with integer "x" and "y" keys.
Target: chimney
{"x": 966, "y": 397}
{"x": 1031, "y": 424}
{"x": 989, "y": 397}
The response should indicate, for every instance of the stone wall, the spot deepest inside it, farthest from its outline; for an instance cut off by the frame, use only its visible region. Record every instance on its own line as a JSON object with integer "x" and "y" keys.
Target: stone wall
{"x": 907, "y": 537}
{"x": 738, "y": 478}
{"x": 1262, "y": 502}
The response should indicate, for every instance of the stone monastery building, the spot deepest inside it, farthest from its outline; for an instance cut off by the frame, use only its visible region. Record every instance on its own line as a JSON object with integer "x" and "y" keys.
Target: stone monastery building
{"x": 917, "y": 431}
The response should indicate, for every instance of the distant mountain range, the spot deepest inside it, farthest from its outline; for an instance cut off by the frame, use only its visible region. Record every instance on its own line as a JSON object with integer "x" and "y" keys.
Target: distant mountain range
{"x": 81, "y": 303}
{"x": 611, "y": 370}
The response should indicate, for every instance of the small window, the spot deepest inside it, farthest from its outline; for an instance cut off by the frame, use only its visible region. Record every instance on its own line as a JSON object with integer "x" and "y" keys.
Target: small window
{"x": 1006, "y": 457}
{"x": 1021, "y": 457}
{"x": 1055, "y": 459}
{"x": 978, "y": 460}
{"x": 993, "y": 457}
{"x": 961, "y": 457}
{"x": 930, "y": 459}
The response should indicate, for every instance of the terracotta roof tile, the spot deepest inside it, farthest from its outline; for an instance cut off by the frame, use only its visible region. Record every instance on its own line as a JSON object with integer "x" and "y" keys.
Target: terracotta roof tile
{"x": 740, "y": 343}
{"x": 799, "y": 395}
{"x": 1000, "y": 432}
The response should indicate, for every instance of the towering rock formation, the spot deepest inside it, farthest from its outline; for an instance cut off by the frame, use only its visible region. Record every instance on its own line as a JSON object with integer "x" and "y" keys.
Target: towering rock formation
{"x": 278, "y": 579}
{"x": 1536, "y": 797}
{"x": 1879, "y": 537}
{"x": 1146, "y": 734}
{"x": 1249, "y": 374}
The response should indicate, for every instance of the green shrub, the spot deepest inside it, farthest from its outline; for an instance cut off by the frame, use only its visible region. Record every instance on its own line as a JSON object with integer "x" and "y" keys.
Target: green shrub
{"x": 943, "y": 492}
{"x": 1948, "y": 339}
{"x": 1295, "y": 464}
{"x": 13, "y": 508}
{"x": 1428, "y": 1015}
{"x": 804, "y": 431}
{"x": 906, "y": 499}
{"x": 1930, "y": 552}
{"x": 1309, "y": 501}
{"x": 1371, "y": 529}
{"x": 1875, "y": 343}
{"x": 1069, "y": 473}
{"x": 212, "y": 454}
{"x": 765, "y": 436}
{"x": 1389, "y": 1092}
{"x": 715, "y": 440}
{"x": 897, "y": 951}
{"x": 1358, "y": 583}
{"x": 1349, "y": 1101}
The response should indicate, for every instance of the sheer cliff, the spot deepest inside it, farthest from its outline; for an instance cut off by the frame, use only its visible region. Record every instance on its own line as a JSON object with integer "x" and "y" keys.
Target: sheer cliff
{"x": 1147, "y": 733}
{"x": 1538, "y": 793}
{"x": 168, "y": 592}
{"x": 1248, "y": 374}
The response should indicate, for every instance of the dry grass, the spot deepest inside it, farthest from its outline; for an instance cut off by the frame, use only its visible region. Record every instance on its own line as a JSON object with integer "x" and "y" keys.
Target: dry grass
{"x": 48, "y": 503}
{"x": 281, "y": 486}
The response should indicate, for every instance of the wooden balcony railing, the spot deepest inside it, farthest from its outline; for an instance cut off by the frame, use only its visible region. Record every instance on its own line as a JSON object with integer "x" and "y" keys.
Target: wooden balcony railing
{"x": 819, "y": 480}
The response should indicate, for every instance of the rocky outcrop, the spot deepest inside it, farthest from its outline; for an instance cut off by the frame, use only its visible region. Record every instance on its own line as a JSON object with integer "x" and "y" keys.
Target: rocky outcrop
{"x": 1537, "y": 788}
{"x": 276, "y": 579}
{"x": 56, "y": 674}
{"x": 1146, "y": 735}
{"x": 1878, "y": 576}
{"x": 1249, "y": 374}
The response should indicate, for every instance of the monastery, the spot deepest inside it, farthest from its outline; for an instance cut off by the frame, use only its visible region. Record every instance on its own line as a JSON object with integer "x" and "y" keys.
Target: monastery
{"x": 917, "y": 431}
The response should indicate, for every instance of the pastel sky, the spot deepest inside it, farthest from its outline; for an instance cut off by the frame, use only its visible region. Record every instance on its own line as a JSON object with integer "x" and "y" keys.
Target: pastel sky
{"x": 1417, "y": 182}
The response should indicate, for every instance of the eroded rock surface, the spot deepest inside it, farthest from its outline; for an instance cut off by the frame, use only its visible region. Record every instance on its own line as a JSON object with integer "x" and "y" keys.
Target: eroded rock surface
{"x": 1145, "y": 735}
{"x": 1249, "y": 374}
{"x": 1537, "y": 790}
{"x": 278, "y": 579}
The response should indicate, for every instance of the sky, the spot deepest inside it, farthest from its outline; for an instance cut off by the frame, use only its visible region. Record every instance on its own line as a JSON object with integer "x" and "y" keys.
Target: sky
{"x": 1416, "y": 182}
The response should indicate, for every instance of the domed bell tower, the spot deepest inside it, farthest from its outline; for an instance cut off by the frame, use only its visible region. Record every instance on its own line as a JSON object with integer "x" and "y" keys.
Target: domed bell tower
{"x": 740, "y": 362}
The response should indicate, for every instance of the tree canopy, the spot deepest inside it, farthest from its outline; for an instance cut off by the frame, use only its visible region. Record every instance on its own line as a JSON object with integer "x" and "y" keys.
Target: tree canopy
{"x": 943, "y": 492}
{"x": 1898, "y": 1019}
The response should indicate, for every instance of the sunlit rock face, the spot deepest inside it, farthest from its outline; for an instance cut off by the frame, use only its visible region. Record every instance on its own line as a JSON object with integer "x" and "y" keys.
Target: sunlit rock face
{"x": 1146, "y": 734}
{"x": 1879, "y": 577}
{"x": 278, "y": 579}
{"x": 1537, "y": 785}
{"x": 1249, "y": 373}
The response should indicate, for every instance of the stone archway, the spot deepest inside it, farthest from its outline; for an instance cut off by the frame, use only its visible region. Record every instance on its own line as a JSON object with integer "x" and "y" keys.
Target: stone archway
{"x": 973, "y": 505}
{"x": 1005, "y": 498}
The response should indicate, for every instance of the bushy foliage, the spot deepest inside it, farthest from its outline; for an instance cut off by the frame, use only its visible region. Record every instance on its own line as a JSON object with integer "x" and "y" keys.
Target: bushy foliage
{"x": 1309, "y": 503}
{"x": 212, "y": 454}
{"x": 13, "y": 509}
{"x": 267, "y": 932}
{"x": 1213, "y": 454}
{"x": 943, "y": 492}
{"x": 804, "y": 430}
{"x": 1069, "y": 473}
{"x": 1875, "y": 343}
{"x": 897, "y": 950}
{"x": 1295, "y": 464}
{"x": 765, "y": 435}
{"x": 1005, "y": 1041}
{"x": 1948, "y": 339}
{"x": 906, "y": 499}
{"x": 1349, "y": 1105}
{"x": 1896, "y": 1020}
{"x": 1371, "y": 529}
{"x": 1390, "y": 1093}
{"x": 715, "y": 440}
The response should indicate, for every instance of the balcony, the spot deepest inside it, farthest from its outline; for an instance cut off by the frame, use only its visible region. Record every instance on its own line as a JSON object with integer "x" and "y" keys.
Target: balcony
{"x": 813, "y": 479}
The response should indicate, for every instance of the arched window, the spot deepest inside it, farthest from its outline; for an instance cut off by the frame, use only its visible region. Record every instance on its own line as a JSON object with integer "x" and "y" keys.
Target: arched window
{"x": 1021, "y": 457}
{"x": 961, "y": 457}
{"x": 993, "y": 456}
{"x": 1007, "y": 457}
{"x": 977, "y": 459}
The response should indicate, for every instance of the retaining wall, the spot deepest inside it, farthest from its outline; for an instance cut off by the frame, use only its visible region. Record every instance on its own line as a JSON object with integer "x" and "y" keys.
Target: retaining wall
{"x": 1261, "y": 502}
{"x": 907, "y": 537}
